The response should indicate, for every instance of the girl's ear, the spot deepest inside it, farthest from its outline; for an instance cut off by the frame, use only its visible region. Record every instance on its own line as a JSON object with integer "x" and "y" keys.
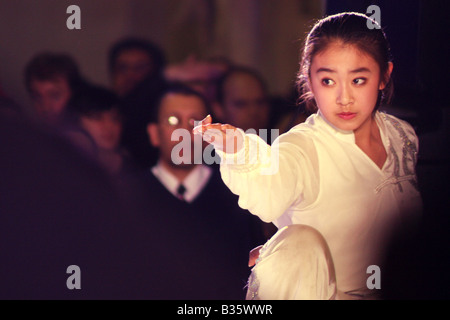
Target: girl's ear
{"x": 153, "y": 134}
{"x": 387, "y": 76}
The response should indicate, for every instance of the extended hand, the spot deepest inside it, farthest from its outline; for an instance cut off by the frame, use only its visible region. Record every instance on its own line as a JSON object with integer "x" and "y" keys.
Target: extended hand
{"x": 224, "y": 137}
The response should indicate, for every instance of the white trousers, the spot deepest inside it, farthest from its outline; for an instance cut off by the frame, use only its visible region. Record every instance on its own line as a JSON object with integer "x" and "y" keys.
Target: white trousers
{"x": 295, "y": 264}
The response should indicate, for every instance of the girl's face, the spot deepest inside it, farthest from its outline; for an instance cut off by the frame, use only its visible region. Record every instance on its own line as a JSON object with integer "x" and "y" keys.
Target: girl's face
{"x": 345, "y": 83}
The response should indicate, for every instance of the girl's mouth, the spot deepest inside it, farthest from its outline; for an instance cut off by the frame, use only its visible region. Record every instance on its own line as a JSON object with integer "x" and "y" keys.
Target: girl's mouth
{"x": 346, "y": 115}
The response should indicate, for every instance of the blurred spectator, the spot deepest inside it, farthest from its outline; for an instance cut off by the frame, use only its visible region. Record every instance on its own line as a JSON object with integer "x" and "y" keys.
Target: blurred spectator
{"x": 99, "y": 114}
{"x": 200, "y": 74}
{"x": 52, "y": 79}
{"x": 217, "y": 234}
{"x": 131, "y": 61}
{"x": 243, "y": 99}
{"x": 136, "y": 70}
{"x": 244, "y": 102}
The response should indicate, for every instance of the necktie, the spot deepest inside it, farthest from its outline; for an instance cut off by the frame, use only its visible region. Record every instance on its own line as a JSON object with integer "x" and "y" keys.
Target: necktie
{"x": 180, "y": 191}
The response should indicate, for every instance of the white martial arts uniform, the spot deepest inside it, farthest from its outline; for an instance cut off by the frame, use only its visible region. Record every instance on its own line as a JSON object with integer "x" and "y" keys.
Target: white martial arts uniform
{"x": 316, "y": 175}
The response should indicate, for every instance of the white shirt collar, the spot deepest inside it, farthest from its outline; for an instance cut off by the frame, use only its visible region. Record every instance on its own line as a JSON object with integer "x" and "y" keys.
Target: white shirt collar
{"x": 194, "y": 182}
{"x": 345, "y": 135}
{"x": 349, "y": 136}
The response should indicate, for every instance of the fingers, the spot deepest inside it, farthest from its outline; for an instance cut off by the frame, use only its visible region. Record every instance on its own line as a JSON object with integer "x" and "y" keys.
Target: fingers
{"x": 210, "y": 132}
{"x": 200, "y": 128}
{"x": 219, "y": 135}
{"x": 206, "y": 124}
{"x": 207, "y": 120}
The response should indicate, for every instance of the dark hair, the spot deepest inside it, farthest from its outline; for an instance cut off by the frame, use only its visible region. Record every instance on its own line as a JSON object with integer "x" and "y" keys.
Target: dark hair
{"x": 48, "y": 66}
{"x": 182, "y": 89}
{"x": 350, "y": 28}
{"x": 154, "y": 52}
{"x": 236, "y": 70}
{"x": 92, "y": 100}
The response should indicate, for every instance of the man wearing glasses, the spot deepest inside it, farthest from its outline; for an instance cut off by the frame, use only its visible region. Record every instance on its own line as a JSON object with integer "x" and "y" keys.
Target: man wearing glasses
{"x": 211, "y": 234}
{"x": 178, "y": 110}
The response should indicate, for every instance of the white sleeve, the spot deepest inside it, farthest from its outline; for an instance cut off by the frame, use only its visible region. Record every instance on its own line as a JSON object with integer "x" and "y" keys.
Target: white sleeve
{"x": 269, "y": 179}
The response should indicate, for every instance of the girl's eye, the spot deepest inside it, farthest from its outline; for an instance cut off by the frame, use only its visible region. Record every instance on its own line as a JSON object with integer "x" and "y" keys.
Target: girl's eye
{"x": 327, "y": 82}
{"x": 359, "y": 81}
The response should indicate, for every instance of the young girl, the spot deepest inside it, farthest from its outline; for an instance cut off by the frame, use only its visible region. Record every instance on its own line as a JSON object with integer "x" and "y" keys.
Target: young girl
{"x": 346, "y": 176}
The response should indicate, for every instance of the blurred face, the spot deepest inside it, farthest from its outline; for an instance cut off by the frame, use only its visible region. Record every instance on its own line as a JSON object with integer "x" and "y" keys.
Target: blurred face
{"x": 200, "y": 75}
{"x": 131, "y": 67}
{"x": 245, "y": 103}
{"x": 50, "y": 97}
{"x": 105, "y": 128}
{"x": 345, "y": 84}
{"x": 177, "y": 111}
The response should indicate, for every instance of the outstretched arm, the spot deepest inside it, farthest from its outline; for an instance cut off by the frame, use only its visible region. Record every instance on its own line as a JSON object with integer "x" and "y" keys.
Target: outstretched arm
{"x": 268, "y": 179}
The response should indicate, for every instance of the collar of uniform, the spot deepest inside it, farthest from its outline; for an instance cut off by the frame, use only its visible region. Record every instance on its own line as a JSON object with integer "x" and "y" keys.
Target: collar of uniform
{"x": 349, "y": 136}
{"x": 380, "y": 118}
{"x": 345, "y": 135}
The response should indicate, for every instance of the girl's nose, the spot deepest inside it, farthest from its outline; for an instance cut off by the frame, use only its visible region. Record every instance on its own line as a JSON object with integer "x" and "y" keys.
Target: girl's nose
{"x": 344, "y": 96}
